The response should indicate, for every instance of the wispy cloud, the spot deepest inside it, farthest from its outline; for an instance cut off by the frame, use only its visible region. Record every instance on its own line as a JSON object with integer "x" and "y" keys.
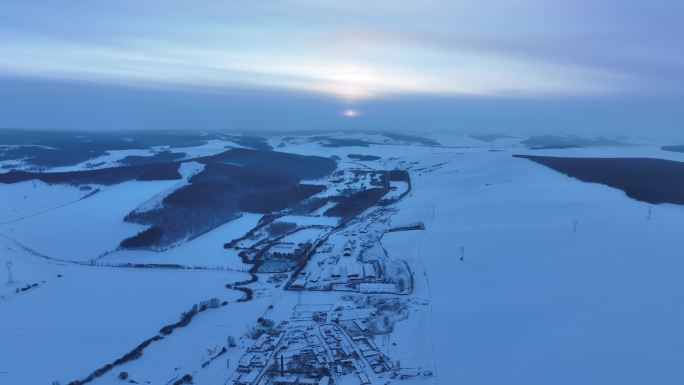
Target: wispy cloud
{"x": 349, "y": 49}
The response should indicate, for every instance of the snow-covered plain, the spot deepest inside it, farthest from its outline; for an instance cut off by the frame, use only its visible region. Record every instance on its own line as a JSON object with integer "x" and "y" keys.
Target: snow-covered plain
{"x": 534, "y": 302}
{"x": 561, "y": 282}
{"x": 79, "y": 318}
{"x": 21, "y": 200}
{"x": 88, "y": 228}
{"x": 206, "y": 250}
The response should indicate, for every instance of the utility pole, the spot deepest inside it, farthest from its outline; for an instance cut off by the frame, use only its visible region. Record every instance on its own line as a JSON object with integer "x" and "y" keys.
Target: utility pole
{"x": 650, "y": 211}
{"x": 9, "y": 272}
{"x": 574, "y": 226}
{"x": 462, "y": 253}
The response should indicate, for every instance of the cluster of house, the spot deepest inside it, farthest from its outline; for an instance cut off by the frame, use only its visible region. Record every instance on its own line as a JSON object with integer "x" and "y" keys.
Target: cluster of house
{"x": 288, "y": 249}
{"x": 349, "y": 275}
{"x": 296, "y": 380}
{"x": 252, "y": 364}
{"x": 283, "y": 256}
{"x": 353, "y": 260}
{"x": 354, "y": 272}
{"x": 315, "y": 345}
{"x": 345, "y": 361}
{"x": 372, "y": 354}
{"x": 349, "y": 248}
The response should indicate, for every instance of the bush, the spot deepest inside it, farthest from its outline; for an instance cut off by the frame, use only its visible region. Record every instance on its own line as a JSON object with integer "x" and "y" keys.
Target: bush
{"x": 265, "y": 322}
{"x": 186, "y": 379}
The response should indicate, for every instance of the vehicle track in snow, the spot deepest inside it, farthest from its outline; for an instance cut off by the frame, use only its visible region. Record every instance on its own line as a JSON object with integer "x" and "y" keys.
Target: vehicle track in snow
{"x": 427, "y": 282}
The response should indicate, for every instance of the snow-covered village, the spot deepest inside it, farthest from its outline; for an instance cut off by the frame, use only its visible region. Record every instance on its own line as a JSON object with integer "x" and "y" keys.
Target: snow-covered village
{"x": 341, "y": 192}
{"x": 375, "y": 259}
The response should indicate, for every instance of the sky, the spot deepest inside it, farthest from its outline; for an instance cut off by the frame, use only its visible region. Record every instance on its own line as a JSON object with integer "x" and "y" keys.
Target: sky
{"x": 584, "y": 66}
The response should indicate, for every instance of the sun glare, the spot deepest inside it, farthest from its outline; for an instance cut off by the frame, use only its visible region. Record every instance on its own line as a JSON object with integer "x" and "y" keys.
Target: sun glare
{"x": 351, "y": 113}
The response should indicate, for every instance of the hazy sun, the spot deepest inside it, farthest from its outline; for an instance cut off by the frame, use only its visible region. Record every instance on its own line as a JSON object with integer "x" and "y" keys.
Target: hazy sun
{"x": 351, "y": 113}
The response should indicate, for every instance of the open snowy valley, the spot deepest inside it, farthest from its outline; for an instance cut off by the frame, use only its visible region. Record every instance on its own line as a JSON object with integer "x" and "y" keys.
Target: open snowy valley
{"x": 356, "y": 258}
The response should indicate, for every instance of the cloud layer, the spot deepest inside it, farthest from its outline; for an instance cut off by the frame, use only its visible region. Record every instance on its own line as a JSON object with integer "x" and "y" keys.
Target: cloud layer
{"x": 354, "y": 50}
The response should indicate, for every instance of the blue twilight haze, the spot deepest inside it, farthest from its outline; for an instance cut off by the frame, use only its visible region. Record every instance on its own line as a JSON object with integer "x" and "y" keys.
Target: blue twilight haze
{"x": 582, "y": 62}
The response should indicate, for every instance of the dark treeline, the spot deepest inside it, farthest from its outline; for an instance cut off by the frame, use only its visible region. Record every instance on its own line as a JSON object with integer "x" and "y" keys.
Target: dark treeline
{"x": 213, "y": 197}
{"x": 234, "y": 181}
{"x": 279, "y": 228}
{"x": 105, "y": 176}
{"x": 645, "y": 179}
{"x": 363, "y": 157}
{"x": 160, "y": 157}
{"x": 490, "y": 137}
{"x": 676, "y": 148}
{"x": 412, "y": 139}
{"x": 330, "y": 141}
{"x": 352, "y": 205}
{"x": 297, "y": 166}
{"x": 300, "y": 166}
{"x": 541, "y": 142}
{"x": 142, "y": 239}
{"x": 356, "y": 202}
{"x": 52, "y": 149}
{"x": 400, "y": 175}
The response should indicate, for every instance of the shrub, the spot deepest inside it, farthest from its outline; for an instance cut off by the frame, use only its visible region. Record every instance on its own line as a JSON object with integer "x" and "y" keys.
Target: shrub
{"x": 186, "y": 379}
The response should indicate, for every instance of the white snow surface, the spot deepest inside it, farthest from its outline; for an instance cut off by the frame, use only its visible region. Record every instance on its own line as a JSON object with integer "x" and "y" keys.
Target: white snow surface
{"x": 88, "y": 228}
{"x": 70, "y": 325}
{"x": 206, "y": 250}
{"x": 24, "y": 199}
{"x": 532, "y": 303}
